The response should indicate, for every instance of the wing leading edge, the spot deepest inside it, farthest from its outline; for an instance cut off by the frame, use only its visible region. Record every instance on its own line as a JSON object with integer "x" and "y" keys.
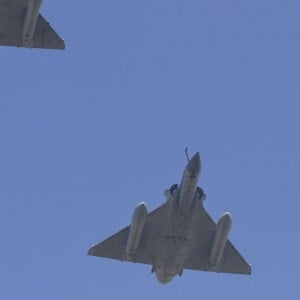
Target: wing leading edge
{"x": 45, "y": 37}
{"x": 114, "y": 246}
{"x": 232, "y": 261}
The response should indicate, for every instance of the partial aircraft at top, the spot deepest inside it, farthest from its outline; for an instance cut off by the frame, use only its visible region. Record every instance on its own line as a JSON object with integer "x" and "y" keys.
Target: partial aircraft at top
{"x": 21, "y": 25}
{"x": 177, "y": 235}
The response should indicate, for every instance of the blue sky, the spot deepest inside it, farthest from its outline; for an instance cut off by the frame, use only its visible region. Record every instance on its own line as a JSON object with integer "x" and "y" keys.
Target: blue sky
{"x": 88, "y": 133}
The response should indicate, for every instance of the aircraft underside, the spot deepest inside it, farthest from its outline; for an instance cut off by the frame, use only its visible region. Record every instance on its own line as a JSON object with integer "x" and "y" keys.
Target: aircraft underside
{"x": 178, "y": 235}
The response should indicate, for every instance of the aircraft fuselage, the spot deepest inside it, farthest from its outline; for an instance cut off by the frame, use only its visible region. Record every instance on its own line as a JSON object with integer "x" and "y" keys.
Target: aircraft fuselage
{"x": 175, "y": 244}
{"x": 188, "y": 185}
{"x": 177, "y": 235}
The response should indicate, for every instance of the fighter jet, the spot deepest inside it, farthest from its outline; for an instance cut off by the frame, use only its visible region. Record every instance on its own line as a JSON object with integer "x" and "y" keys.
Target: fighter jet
{"x": 177, "y": 235}
{"x": 21, "y": 25}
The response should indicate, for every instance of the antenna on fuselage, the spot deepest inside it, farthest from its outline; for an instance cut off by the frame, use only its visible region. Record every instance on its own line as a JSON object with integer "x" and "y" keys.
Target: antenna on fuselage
{"x": 186, "y": 154}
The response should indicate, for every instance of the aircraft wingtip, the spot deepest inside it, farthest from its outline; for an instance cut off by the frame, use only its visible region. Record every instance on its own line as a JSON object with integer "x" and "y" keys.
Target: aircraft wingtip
{"x": 91, "y": 251}
{"x": 249, "y": 270}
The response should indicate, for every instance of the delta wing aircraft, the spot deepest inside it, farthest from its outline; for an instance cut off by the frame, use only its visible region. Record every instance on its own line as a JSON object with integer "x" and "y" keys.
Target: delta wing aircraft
{"x": 21, "y": 25}
{"x": 177, "y": 235}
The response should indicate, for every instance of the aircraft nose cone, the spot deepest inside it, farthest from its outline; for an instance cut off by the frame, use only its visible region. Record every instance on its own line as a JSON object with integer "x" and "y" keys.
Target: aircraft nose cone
{"x": 194, "y": 165}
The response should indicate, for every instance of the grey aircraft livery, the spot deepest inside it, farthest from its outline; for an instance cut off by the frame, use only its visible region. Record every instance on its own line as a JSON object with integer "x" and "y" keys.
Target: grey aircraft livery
{"x": 177, "y": 235}
{"x": 21, "y": 25}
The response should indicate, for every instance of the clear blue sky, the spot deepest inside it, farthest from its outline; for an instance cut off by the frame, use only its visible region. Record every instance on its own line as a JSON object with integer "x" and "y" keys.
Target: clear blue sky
{"x": 88, "y": 133}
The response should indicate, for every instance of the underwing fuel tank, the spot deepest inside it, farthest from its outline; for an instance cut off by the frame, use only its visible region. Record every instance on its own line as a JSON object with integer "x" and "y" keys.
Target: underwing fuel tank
{"x": 220, "y": 239}
{"x": 32, "y": 14}
{"x": 136, "y": 229}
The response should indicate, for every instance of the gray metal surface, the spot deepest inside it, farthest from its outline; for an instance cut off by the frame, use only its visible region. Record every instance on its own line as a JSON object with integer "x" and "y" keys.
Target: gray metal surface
{"x": 179, "y": 235}
{"x": 114, "y": 246}
{"x": 21, "y": 25}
